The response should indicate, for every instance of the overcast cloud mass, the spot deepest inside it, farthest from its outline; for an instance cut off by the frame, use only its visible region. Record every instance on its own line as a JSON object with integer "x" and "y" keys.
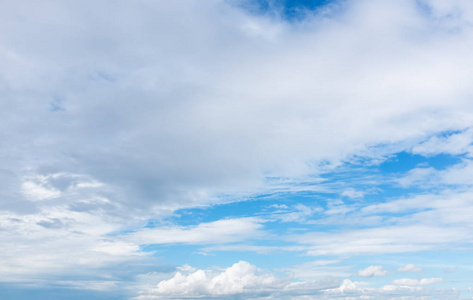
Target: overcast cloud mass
{"x": 236, "y": 149}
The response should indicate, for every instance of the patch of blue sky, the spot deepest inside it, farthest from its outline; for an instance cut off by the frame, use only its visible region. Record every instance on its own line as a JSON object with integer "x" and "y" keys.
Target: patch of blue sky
{"x": 267, "y": 208}
{"x": 195, "y": 216}
{"x": 450, "y": 132}
{"x": 288, "y": 9}
{"x": 377, "y": 185}
{"x": 405, "y": 161}
{"x": 276, "y": 208}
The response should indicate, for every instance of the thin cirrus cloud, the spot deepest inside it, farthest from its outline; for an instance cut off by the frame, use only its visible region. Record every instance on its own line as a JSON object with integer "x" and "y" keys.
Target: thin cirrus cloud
{"x": 221, "y": 231}
{"x": 169, "y": 123}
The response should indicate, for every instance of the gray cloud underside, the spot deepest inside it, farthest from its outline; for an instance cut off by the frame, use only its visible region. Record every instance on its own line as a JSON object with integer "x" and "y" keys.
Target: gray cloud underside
{"x": 168, "y": 104}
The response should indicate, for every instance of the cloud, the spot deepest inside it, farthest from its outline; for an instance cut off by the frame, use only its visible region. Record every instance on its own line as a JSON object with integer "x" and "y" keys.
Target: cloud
{"x": 360, "y": 290}
{"x": 238, "y": 115}
{"x": 61, "y": 243}
{"x": 37, "y": 192}
{"x": 414, "y": 282}
{"x": 242, "y": 279}
{"x": 381, "y": 240}
{"x": 419, "y": 177}
{"x": 454, "y": 144}
{"x": 351, "y": 193}
{"x": 221, "y": 231}
{"x": 112, "y": 119}
{"x": 318, "y": 270}
{"x": 242, "y": 248}
{"x": 297, "y": 213}
{"x": 372, "y": 271}
{"x": 410, "y": 268}
{"x": 429, "y": 177}
{"x": 245, "y": 281}
{"x": 347, "y": 286}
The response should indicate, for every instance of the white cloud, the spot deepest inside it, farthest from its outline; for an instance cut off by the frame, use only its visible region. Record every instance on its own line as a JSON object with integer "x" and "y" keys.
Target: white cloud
{"x": 419, "y": 177}
{"x": 372, "y": 271}
{"x": 352, "y": 193}
{"x": 242, "y": 248}
{"x": 361, "y": 290}
{"x": 239, "y": 115}
{"x": 241, "y": 278}
{"x": 240, "y": 281}
{"x": 117, "y": 248}
{"x": 454, "y": 144}
{"x": 410, "y": 268}
{"x": 318, "y": 270}
{"x": 382, "y": 239}
{"x": 347, "y": 286}
{"x": 428, "y": 177}
{"x": 297, "y": 213}
{"x": 62, "y": 244}
{"x": 221, "y": 231}
{"x": 245, "y": 281}
{"x": 415, "y": 282}
{"x": 37, "y": 192}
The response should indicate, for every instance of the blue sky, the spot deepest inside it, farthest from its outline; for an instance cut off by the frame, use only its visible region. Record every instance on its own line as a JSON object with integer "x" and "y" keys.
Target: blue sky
{"x": 236, "y": 149}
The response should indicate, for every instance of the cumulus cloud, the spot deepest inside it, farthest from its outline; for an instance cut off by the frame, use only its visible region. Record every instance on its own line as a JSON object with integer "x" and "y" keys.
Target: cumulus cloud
{"x": 372, "y": 271}
{"x": 246, "y": 281}
{"x": 239, "y": 279}
{"x": 348, "y": 287}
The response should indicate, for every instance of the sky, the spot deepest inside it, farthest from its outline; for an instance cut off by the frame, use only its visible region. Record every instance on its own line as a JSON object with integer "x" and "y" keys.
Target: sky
{"x": 236, "y": 149}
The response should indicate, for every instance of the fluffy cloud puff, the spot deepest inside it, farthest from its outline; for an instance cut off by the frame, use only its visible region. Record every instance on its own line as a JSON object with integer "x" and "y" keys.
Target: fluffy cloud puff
{"x": 372, "y": 271}
{"x": 241, "y": 278}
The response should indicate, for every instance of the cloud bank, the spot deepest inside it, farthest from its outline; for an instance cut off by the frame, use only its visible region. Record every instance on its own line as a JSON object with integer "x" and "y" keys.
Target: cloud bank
{"x": 117, "y": 115}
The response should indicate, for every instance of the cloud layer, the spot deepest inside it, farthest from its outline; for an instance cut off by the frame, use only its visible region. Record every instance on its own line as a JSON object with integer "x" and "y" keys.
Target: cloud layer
{"x": 116, "y": 116}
